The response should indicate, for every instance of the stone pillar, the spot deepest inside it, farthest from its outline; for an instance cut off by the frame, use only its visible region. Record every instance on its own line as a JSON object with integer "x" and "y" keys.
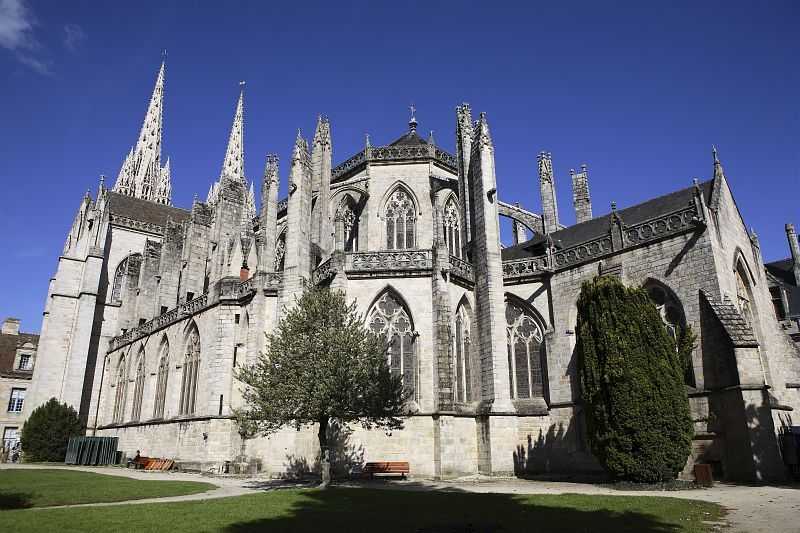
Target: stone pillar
{"x": 464, "y": 150}
{"x": 547, "y": 189}
{"x": 171, "y": 266}
{"x": 147, "y": 302}
{"x": 297, "y": 261}
{"x": 488, "y": 266}
{"x": 580, "y": 195}
{"x": 269, "y": 215}
{"x": 794, "y": 248}
{"x": 442, "y": 317}
{"x": 321, "y": 160}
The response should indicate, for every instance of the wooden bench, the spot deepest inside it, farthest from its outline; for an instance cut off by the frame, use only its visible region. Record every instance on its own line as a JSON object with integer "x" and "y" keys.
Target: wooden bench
{"x": 139, "y": 463}
{"x": 386, "y": 467}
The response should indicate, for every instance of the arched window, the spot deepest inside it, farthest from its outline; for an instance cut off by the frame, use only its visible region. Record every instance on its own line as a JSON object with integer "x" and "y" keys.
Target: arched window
{"x": 122, "y": 391}
{"x": 668, "y": 307}
{"x": 524, "y": 344}
{"x": 450, "y": 222}
{"x": 280, "y": 252}
{"x": 161, "y": 380}
{"x": 389, "y": 318}
{"x": 463, "y": 375}
{"x": 346, "y": 226}
{"x": 191, "y": 366}
{"x": 138, "y": 389}
{"x": 743, "y": 301}
{"x": 400, "y": 221}
{"x": 127, "y": 268}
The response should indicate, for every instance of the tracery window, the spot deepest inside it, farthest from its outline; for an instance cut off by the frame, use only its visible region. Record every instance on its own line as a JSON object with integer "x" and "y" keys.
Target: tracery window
{"x": 524, "y": 344}
{"x": 161, "y": 380}
{"x": 121, "y": 276}
{"x": 400, "y": 221}
{"x": 191, "y": 366}
{"x": 463, "y": 375}
{"x": 122, "y": 391}
{"x": 452, "y": 236}
{"x": 280, "y": 252}
{"x": 138, "y": 389}
{"x": 668, "y": 308}
{"x": 346, "y": 226}
{"x": 389, "y": 318}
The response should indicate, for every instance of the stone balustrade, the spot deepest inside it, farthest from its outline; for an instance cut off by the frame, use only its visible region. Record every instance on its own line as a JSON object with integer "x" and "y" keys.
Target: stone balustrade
{"x": 523, "y": 268}
{"x": 390, "y": 261}
{"x": 462, "y": 269}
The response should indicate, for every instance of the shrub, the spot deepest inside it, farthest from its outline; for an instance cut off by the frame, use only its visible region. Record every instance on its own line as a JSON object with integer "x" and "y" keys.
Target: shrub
{"x": 632, "y": 380}
{"x": 47, "y": 431}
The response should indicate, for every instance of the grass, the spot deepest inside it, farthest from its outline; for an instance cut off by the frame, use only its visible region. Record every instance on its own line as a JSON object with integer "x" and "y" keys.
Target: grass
{"x": 43, "y": 488}
{"x": 387, "y": 511}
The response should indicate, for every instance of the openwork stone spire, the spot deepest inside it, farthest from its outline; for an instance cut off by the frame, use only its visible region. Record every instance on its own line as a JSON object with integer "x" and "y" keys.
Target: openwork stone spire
{"x": 164, "y": 187}
{"x": 233, "y": 166}
{"x": 141, "y": 174}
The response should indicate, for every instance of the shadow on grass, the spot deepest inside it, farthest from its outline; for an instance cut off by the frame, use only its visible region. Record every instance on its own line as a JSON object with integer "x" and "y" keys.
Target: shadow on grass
{"x": 454, "y": 511}
{"x": 15, "y": 500}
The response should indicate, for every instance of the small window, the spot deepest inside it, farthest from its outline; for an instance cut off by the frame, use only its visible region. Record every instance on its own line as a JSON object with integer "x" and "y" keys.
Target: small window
{"x": 10, "y": 437}
{"x": 189, "y": 296}
{"x": 236, "y": 318}
{"x": 163, "y": 309}
{"x": 142, "y": 321}
{"x": 25, "y": 360}
{"x": 16, "y": 401}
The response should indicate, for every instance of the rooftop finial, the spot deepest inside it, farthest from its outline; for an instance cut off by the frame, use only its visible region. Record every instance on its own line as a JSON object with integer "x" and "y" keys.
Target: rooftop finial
{"x": 366, "y": 140}
{"x": 412, "y": 124}
{"x": 430, "y": 138}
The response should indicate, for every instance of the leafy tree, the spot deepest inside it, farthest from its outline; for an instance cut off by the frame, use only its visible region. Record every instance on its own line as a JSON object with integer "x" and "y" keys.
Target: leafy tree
{"x": 321, "y": 364}
{"x": 47, "y": 431}
{"x": 632, "y": 379}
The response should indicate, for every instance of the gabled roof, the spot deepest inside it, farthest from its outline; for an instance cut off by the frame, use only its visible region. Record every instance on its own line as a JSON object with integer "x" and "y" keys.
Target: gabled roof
{"x": 599, "y": 226}
{"x": 8, "y": 352}
{"x": 143, "y": 210}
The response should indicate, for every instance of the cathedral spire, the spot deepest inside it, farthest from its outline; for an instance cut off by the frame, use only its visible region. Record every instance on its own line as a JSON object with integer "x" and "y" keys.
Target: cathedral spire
{"x": 233, "y": 166}
{"x": 141, "y": 174}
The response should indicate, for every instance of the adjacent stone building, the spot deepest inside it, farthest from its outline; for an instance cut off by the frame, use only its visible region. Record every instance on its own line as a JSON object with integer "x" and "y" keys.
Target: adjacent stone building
{"x": 153, "y": 307}
{"x": 17, "y": 360}
{"x": 783, "y": 280}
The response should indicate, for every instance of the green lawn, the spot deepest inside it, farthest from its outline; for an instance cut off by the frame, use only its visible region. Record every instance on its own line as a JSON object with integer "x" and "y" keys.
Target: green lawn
{"x": 385, "y": 511}
{"x": 42, "y": 488}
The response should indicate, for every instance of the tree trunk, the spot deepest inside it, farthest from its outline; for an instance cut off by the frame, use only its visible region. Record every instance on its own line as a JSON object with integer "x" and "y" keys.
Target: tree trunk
{"x": 325, "y": 464}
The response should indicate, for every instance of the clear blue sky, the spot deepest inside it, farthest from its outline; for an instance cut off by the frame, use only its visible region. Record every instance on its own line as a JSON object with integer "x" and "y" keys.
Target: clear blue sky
{"x": 639, "y": 91}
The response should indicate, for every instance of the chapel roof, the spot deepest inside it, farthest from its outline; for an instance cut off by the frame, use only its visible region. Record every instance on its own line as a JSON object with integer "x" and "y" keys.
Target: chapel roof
{"x": 144, "y": 210}
{"x": 599, "y": 226}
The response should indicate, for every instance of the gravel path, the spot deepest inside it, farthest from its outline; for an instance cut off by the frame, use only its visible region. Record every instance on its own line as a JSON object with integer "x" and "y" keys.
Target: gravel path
{"x": 752, "y": 509}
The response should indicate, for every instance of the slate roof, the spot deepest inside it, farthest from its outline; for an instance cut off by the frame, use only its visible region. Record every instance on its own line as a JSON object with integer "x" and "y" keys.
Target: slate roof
{"x": 8, "y": 352}
{"x": 410, "y": 138}
{"x": 738, "y": 330}
{"x": 144, "y": 210}
{"x": 599, "y": 226}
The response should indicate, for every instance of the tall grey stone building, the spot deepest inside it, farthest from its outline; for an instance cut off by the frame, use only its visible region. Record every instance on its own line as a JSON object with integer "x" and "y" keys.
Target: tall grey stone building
{"x": 153, "y": 307}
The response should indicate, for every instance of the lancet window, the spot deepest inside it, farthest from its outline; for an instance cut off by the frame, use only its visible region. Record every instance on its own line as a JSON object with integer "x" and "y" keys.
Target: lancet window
{"x": 463, "y": 363}
{"x": 668, "y": 307}
{"x": 524, "y": 344}
{"x": 191, "y": 367}
{"x": 122, "y": 391}
{"x": 138, "y": 389}
{"x": 161, "y": 380}
{"x": 400, "y": 221}
{"x": 346, "y": 226}
{"x": 390, "y": 319}
{"x": 450, "y": 222}
{"x": 280, "y": 252}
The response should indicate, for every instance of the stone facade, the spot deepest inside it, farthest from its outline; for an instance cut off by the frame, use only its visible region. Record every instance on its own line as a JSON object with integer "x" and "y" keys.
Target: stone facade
{"x": 17, "y": 361}
{"x": 153, "y": 307}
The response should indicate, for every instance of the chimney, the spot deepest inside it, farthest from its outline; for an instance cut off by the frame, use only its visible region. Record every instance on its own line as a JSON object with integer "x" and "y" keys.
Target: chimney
{"x": 794, "y": 247}
{"x": 11, "y": 326}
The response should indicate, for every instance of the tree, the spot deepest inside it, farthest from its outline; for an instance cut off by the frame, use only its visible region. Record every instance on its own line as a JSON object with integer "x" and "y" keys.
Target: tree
{"x": 321, "y": 364}
{"x": 631, "y": 373}
{"x": 47, "y": 431}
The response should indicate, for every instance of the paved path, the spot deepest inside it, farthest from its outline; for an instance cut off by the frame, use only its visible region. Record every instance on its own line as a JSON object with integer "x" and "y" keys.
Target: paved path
{"x": 752, "y": 509}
